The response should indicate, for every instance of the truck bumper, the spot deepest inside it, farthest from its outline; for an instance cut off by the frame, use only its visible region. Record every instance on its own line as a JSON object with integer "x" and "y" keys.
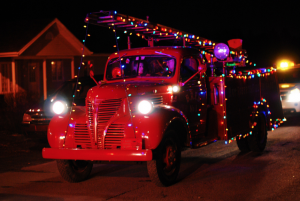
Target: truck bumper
{"x": 98, "y": 154}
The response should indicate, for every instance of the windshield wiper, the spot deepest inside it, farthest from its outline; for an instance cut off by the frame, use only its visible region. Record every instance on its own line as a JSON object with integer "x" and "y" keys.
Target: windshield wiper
{"x": 118, "y": 59}
{"x": 168, "y": 55}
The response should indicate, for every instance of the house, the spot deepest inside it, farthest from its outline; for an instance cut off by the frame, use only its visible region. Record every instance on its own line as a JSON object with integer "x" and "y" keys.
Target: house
{"x": 37, "y": 58}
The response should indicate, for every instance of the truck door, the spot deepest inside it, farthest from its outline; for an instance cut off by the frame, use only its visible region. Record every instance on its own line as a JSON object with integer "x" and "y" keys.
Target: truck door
{"x": 192, "y": 97}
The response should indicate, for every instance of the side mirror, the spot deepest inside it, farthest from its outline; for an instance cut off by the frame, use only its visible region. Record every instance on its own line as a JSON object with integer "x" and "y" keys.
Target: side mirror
{"x": 92, "y": 76}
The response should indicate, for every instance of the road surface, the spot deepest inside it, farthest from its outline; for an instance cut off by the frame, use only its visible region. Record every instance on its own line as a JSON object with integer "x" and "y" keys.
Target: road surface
{"x": 214, "y": 172}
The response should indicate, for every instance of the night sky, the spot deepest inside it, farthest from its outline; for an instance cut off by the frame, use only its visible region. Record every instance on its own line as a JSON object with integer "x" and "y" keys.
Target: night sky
{"x": 270, "y": 31}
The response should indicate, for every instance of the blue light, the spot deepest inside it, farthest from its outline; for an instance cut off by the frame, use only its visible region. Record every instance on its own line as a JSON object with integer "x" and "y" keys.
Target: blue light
{"x": 252, "y": 76}
{"x": 115, "y": 12}
{"x": 71, "y": 125}
{"x": 258, "y": 102}
{"x": 255, "y": 103}
{"x": 79, "y": 68}
{"x": 129, "y": 124}
{"x": 123, "y": 66}
{"x": 175, "y": 34}
{"x": 118, "y": 37}
{"x": 268, "y": 112}
{"x": 225, "y": 142}
{"x": 233, "y": 71}
{"x": 145, "y": 24}
{"x": 201, "y": 92}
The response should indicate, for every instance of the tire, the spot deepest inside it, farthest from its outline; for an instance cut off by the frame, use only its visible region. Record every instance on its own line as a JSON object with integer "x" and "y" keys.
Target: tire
{"x": 74, "y": 171}
{"x": 258, "y": 140}
{"x": 242, "y": 143}
{"x": 163, "y": 170}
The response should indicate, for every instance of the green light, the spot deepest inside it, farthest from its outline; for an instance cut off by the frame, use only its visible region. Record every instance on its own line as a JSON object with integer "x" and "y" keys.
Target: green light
{"x": 199, "y": 115}
{"x": 254, "y": 64}
{"x": 269, "y": 70}
{"x": 129, "y": 94}
{"x": 250, "y": 132}
{"x": 223, "y": 75}
{"x": 233, "y": 64}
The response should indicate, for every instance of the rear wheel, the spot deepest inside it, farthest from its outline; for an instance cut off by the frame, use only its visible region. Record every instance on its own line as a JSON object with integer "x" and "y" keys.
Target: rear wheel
{"x": 74, "y": 171}
{"x": 258, "y": 140}
{"x": 164, "y": 169}
{"x": 242, "y": 144}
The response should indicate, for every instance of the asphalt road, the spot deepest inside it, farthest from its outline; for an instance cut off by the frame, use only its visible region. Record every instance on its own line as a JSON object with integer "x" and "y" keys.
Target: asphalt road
{"x": 214, "y": 172}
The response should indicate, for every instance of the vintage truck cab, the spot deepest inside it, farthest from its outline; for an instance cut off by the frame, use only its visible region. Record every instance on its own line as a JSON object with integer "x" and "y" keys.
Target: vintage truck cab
{"x": 155, "y": 101}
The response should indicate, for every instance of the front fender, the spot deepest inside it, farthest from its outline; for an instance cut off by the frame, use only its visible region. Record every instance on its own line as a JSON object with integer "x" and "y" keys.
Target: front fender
{"x": 61, "y": 127}
{"x": 151, "y": 128}
{"x": 57, "y": 130}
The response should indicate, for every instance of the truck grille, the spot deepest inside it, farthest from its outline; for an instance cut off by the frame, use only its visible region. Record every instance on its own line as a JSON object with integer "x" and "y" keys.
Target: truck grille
{"x": 157, "y": 100}
{"x": 91, "y": 119}
{"x": 113, "y": 136}
{"x": 106, "y": 110}
{"x": 81, "y": 136}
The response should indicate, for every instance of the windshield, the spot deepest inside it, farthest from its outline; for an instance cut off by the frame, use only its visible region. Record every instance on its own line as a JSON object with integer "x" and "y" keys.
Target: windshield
{"x": 289, "y": 76}
{"x": 140, "y": 66}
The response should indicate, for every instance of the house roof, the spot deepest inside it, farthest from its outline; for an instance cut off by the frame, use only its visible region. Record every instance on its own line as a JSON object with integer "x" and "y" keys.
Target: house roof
{"x": 17, "y": 38}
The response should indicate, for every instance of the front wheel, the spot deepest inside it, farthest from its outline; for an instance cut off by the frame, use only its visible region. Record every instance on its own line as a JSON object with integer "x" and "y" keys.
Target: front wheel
{"x": 163, "y": 170}
{"x": 74, "y": 171}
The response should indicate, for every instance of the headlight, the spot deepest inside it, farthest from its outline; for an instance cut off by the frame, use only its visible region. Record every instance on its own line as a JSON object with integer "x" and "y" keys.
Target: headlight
{"x": 145, "y": 107}
{"x": 59, "y": 107}
{"x": 294, "y": 95}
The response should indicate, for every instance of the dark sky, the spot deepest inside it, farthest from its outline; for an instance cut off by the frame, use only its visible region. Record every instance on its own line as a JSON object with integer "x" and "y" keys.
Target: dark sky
{"x": 269, "y": 31}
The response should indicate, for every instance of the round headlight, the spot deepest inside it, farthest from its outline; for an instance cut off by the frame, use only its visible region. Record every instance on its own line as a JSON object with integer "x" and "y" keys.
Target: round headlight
{"x": 58, "y": 107}
{"x": 145, "y": 107}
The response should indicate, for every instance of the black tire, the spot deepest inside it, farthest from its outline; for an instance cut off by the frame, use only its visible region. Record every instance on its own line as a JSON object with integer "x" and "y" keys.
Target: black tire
{"x": 163, "y": 170}
{"x": 258, "y": 140}
{"x": 74, "y": 171}
{"x": 242, "y": 143}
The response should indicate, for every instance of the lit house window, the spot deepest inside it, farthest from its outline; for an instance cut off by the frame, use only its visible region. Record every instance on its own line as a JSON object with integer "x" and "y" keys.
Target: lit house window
{"x": 57, "y": 73}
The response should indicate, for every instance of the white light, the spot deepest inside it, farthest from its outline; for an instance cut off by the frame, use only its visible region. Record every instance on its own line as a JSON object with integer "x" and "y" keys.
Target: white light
{"x": 58, "y": 107}
{"x": 145, "y": 107}
{"x": 175, "y": 88}
{"x": 294, "y": 95}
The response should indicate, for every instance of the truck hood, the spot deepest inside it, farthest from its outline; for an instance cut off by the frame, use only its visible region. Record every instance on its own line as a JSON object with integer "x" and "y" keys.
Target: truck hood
{"x": 133, "y": 88}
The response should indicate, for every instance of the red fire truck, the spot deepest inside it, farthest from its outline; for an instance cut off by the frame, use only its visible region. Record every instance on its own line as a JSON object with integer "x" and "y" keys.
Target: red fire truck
{"x": 155, "y": 101}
